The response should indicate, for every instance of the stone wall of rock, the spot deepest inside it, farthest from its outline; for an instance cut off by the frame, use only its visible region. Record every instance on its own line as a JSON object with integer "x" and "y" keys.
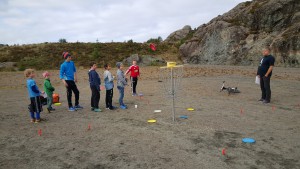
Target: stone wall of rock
{"x": 238, "y": 36}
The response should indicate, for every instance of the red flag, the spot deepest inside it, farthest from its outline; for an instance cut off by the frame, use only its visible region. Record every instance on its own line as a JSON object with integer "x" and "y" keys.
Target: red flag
{"x": 152, "y": 46}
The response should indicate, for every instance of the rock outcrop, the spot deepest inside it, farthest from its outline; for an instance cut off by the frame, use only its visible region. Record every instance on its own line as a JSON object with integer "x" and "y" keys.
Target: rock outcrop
{"x": 179, "y": 34}
{"x": 238, "y": 36}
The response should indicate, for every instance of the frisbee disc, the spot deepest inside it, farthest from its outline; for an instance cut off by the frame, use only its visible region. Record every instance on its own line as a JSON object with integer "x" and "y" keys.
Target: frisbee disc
{"x": 157, "y": 111}
{"x": 57, "y": 104}
{"x": 248, "y": 140}
{"x": 183, "y": 117}
{"x": 152, "y": 121}
{"x": 190, "y": 109}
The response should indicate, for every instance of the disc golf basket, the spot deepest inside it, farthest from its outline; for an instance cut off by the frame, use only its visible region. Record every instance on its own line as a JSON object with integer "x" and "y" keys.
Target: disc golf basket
{"x": 171, "y": 76}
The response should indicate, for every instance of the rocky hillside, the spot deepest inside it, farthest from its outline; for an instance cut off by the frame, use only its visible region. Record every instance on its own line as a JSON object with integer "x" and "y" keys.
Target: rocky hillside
{"x": 237, "y": 37}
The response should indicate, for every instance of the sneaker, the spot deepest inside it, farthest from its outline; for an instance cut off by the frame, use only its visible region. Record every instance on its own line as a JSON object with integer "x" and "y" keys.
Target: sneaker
{"x": 112, "y": 108}
{"x": 72, "y": 109}
{"x": 123, "y": 107}
{"x": 78, "y": 107}
{"x": 32, "y": 120}
{"x": 97, "y": 110}
{"x": 266, "y": 101}
{"x": 49, "y": 110}
{"x": 37, "y": 120}
{"x": 134, "y": 94}
{"x": 107, "y": 108}
{"x": 92, "y": 108}
{"x": 52, "y": 109}
{"x": 261, "y": 100}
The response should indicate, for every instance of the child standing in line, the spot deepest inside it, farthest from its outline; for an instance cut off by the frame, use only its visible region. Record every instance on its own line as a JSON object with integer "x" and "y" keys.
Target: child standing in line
{"x": 95, "y": 83}
{"x": 109, "y": 85}
{"x": 68, "y": 75}
{"x": 48, "y": 88}
{"x": 121, "y": 83}
{"x": 35, "y": 107}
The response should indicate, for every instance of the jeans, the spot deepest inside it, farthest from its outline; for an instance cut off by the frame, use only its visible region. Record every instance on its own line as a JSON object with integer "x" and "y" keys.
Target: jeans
{"x": 121, "y": 91}
{"x": 49, "y": 102}
{"x": 265, "y": 88}
{"x": 37, "y": 115}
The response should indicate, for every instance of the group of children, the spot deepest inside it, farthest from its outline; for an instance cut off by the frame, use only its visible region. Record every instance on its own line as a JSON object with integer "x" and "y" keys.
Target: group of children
{"x": 68, "y": 76}
{"x": 35, "y": 106}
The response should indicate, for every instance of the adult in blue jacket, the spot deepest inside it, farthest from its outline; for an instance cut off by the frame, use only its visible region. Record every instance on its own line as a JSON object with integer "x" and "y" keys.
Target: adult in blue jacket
{"x": 68, "y": 76}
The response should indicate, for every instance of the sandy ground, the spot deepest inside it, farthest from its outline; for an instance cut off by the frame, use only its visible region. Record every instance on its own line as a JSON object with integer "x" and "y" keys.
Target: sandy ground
{"x": 124, "y": 139}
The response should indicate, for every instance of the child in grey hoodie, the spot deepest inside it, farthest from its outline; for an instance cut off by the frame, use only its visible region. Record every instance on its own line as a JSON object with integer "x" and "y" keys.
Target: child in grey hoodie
{"x": 109, "y": 85}
{"x": 121, "y": 83}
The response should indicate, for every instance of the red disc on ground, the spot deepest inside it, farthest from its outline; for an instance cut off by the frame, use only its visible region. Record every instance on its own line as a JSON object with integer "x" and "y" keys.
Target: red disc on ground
{"x": 223, "y": 151}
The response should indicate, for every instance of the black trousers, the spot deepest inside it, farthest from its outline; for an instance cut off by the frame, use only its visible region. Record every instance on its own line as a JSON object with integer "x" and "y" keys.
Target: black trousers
{"x": 134, "y": 81}
{"x": 72, "y": 87}
{"x": 95, "y": 97}
{"x": 265, "y": 88}
{"x": 108, "y": 98}
{"x": 35, "y": 105}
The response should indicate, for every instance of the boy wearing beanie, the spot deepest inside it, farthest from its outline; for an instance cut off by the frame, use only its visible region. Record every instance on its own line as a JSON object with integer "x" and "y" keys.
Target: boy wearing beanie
{"x": 68, "y": 76}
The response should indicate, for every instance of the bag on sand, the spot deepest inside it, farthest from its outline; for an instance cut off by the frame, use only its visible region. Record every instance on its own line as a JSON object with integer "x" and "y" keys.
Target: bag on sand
{"x": 55, "y": 98}
{"x": 43, "y": 100}
{"x": 257, "y": 80}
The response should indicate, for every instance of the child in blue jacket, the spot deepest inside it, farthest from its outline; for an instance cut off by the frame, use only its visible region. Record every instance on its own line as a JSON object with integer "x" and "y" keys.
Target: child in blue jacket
{"x": 35, "y": 107}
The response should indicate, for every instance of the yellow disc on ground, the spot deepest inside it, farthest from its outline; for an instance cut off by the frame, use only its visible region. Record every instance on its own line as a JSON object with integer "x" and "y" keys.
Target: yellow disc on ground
{"x": 152, "y": 121}
{"x": 190, "y": 109}
{"x": 57, "y": 104}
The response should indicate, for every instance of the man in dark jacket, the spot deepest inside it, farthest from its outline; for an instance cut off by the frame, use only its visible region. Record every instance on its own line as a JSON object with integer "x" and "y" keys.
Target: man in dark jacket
{"x": 264, "y": 71}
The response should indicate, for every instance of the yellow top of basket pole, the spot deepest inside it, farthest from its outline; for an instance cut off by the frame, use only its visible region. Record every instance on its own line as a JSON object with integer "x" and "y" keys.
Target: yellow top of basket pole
{"x": 171, "y": 64}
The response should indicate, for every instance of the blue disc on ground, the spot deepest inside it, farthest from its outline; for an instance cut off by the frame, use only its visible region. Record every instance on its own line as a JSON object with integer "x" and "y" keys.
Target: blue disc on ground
{"x": 248, "y": 140}
{"x": 184, "y": 117}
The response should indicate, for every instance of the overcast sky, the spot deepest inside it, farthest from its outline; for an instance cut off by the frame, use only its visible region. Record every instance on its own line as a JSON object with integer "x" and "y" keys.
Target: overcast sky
{"x": 38, "y": 21}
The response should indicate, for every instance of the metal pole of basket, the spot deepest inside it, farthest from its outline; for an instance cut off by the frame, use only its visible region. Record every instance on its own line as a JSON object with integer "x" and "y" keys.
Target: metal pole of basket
{"x": 173, "y": 94}
{"x": 170, "y": 76}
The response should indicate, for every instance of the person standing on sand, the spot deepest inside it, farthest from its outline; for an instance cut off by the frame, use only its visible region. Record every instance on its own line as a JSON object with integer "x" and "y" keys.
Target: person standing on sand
{"x": 109, "y": 86}
{"x": 35, "y": 107}
{"x": 264, "y": 72}
{"x": 48, "y": 88}
{"x": 134, "y": 70}
{"x": 95, "y": 83}
{"x": 68, "y": 76}
{"x": 121, "y": 83}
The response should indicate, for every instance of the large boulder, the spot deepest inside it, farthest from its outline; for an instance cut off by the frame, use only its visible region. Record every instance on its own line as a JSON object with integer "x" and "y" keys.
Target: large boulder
{"x": 238, "y": 36}
{"x": 179, "y": 34}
